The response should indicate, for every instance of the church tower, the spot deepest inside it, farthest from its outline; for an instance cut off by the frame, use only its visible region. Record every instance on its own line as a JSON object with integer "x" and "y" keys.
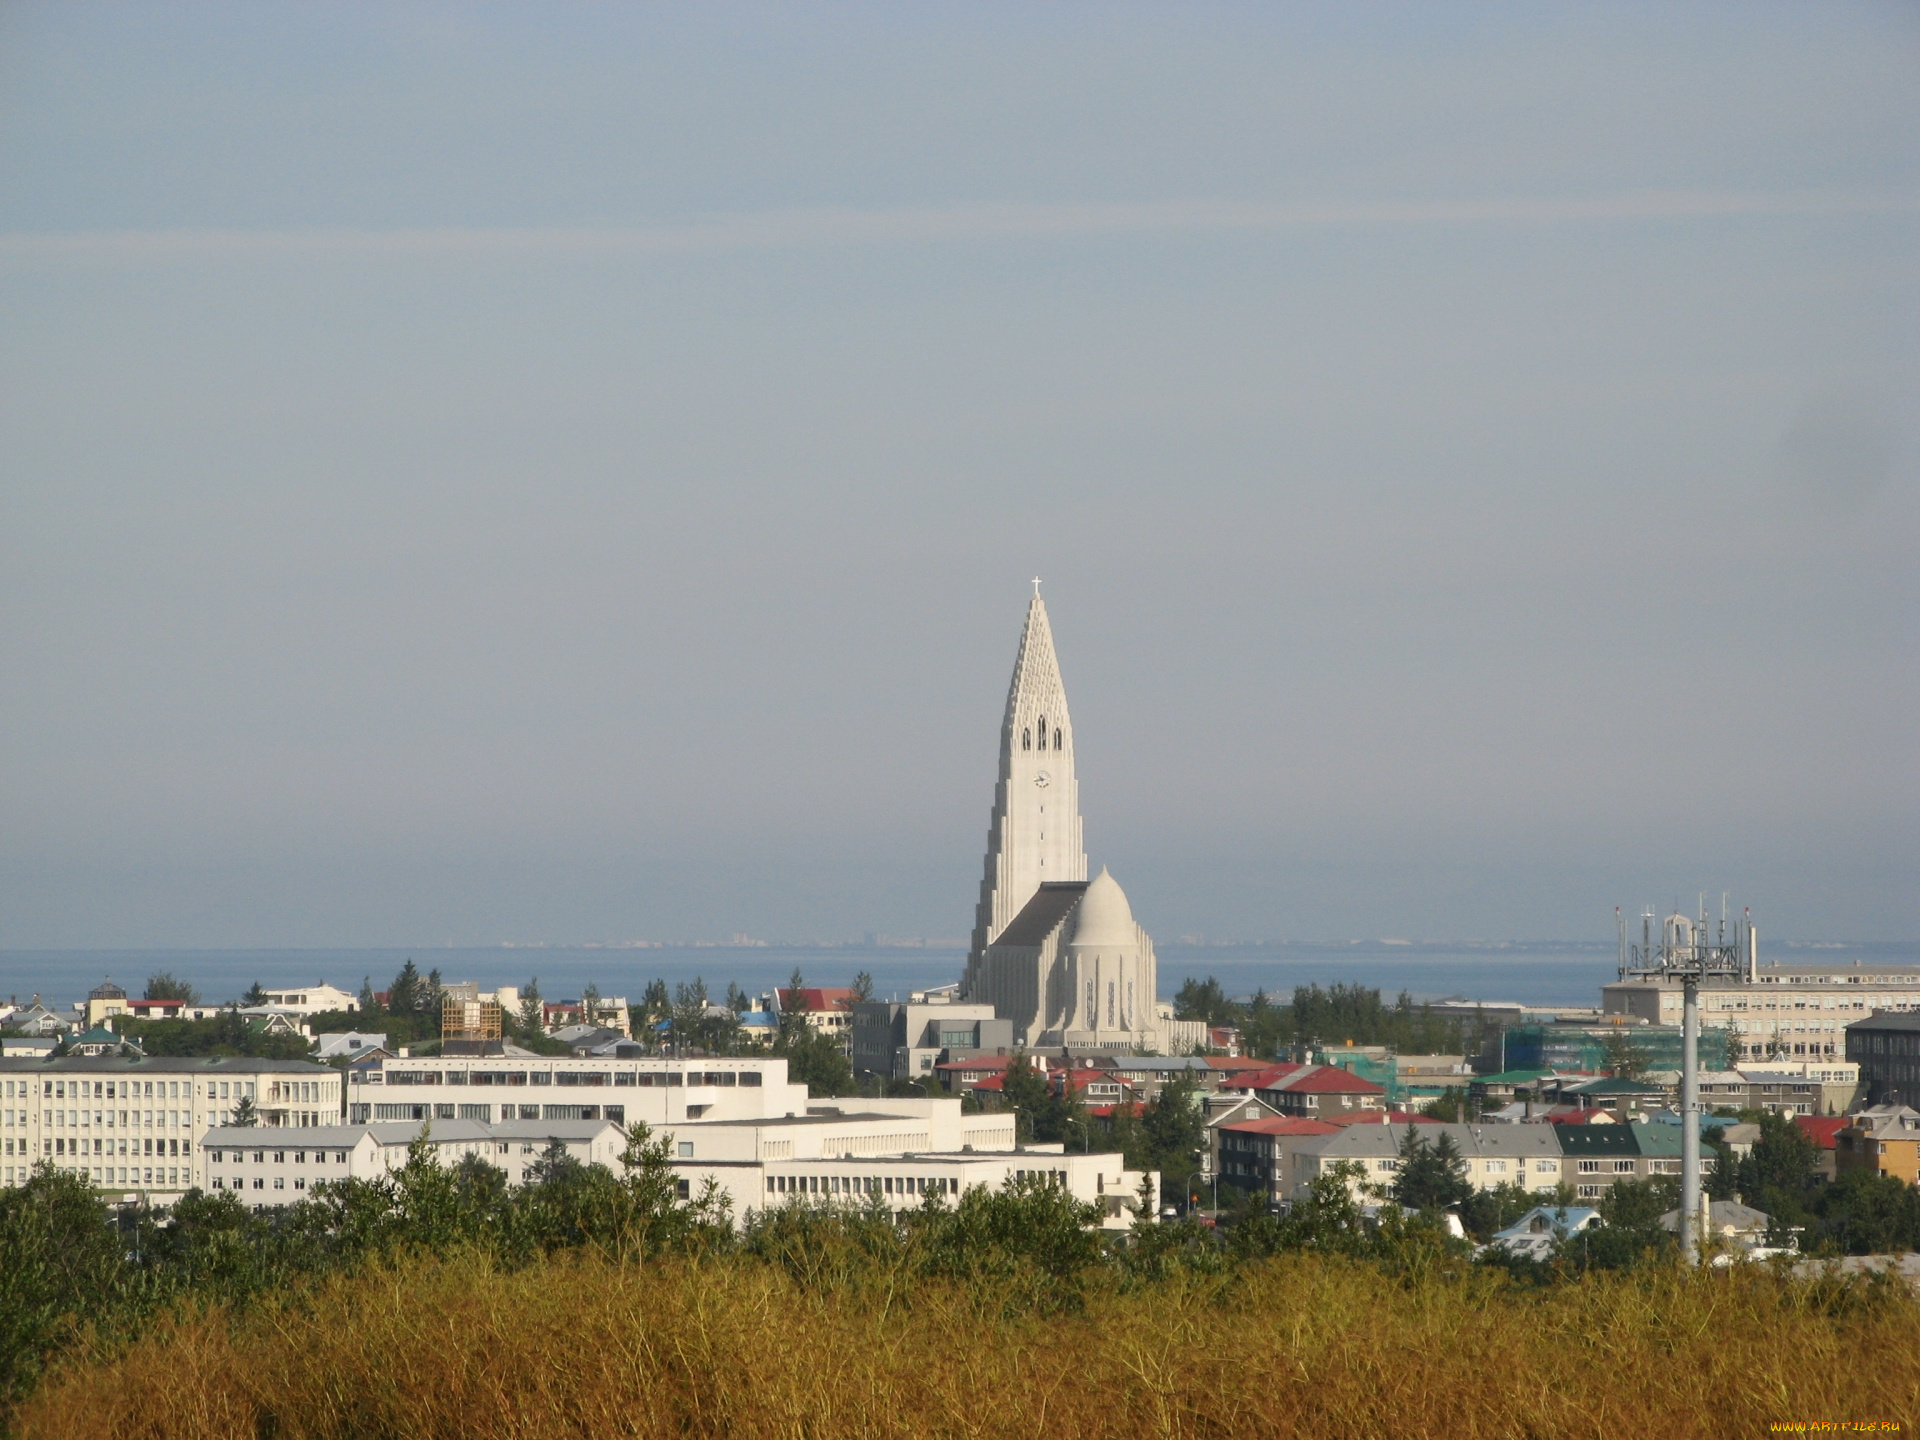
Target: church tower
{"x": 1034, "y": 837}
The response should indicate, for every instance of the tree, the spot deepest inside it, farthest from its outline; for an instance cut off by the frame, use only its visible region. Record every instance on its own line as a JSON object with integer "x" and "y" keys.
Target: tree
{"x": 1174, "y": 1129}
{"x": 1623, "y": 1059}
{"x": 690, "y": 1025}
{"x": 244, "y": 1114}
{"x": 1203, "y": 1000}
{"x": 368, "y": 1005}
{"x": 164, "y": 985}
{"x": 533, "y": 1015}
{"x": 863, "y": 986}
{"x": 815, "y": 1060}
{"x": 655, "y": 1004}
{"x": 737, "y": 999}
{"x": 1451, "y": 1105}
{"x": 1024, "y": 1091}
{"x": 430, "y": 993}
{"x": 256, "y": 995}
{"x": 1431, "y": 1177}
{"x": 404, "y": 995}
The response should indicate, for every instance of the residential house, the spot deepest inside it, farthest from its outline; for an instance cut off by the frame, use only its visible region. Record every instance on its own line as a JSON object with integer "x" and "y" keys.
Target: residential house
{"x": 1535, "y": 1233}
{"x": 1255, "y": 1154}
{"x": 1729, "y": 1221}
{"x": 350, "y": 1046}
{"x": 1884, "y": 1139}
{"x": 828, "y": 1009}
{"x": 317, "y": 999}
{"x": 1823, "y": 1131}
{"x": 1528, "y": 1156}
{"x": 1597, "y": 1156}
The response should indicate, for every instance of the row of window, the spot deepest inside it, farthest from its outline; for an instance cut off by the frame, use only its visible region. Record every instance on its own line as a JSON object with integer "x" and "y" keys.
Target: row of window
{"x": 1026, "y": 735}
{"x": 849, "y": 1185}
{"x": 62, "y": 1145}
{"x": 643, "y": 1079}
{"x": 126, "y": 1089}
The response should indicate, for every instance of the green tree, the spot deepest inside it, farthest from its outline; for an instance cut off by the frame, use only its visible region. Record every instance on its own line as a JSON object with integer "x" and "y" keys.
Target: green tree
{"x": 1431, "y": 1176}
{"x": 369, "y": 1006}
{"x": 63, "y": 1263}
{"x": 533, "y": 1015}
{"x": 815, "y": 1060}
{"x": 244, "y": 1115}
{"x": 165, "y": 985}
{"x": 737, "y": 999}
{"x": 1203, "y": 1000}
{"x": 404, "y": 994}
{"x": 256, "y": 995}
{"x": 1023, "y": 1090}
{"x": 1621, "y": 1058}
{"x": 863, "y": 986}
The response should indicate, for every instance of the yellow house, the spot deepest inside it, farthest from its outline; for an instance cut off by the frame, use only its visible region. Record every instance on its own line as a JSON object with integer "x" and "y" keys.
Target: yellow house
{"x": 103, "y": 1000}
{"x": 1884, "y": 1139}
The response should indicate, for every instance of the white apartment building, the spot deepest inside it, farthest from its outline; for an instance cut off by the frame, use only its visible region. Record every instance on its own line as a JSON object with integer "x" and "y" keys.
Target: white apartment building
{"x": 312, "y": 999}
{"x": 271, "y": 1168}
{"x": 134, "y": 1124}
{"x": 1778, "y": 1012}
{"x": 574, "y": 1087}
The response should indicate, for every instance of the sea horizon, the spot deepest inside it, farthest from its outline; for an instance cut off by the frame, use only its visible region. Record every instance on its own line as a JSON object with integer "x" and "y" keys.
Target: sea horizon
{"x": 1544, "y": 973}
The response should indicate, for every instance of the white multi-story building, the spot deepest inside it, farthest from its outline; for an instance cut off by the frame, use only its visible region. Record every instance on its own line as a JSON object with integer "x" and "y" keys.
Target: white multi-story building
{"x": 574, "y": 1087}
{"x": 281, "y": 1167}
{"x": 134, "y": 1124}
{"x": 1796, "y": 1011}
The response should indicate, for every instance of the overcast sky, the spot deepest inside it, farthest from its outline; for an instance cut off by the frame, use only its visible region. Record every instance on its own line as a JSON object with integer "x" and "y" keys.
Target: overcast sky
{"x": 559, "y": 474}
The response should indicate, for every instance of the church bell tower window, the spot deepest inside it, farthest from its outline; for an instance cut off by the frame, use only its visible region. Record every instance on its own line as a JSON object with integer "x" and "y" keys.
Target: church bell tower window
{"x": 1056, "y": 737}
{"x": 1043, "y": 732}
{"x": 1026, "y": 738}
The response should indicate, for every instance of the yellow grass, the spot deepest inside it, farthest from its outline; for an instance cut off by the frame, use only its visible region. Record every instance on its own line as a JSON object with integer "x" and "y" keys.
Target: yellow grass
{"x": 1300, "y": 1346}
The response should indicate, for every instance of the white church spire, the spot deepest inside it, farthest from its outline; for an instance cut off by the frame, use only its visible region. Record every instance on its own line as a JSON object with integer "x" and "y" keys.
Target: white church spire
{"x": 1034, "y": 836}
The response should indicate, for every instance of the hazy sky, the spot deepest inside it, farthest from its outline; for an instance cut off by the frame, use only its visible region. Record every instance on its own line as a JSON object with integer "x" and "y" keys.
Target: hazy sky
{"x": 562, "y": 474}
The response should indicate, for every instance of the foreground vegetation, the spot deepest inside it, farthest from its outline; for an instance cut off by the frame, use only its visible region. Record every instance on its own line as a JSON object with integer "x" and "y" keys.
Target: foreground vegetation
{"x": 441, "y": 1303}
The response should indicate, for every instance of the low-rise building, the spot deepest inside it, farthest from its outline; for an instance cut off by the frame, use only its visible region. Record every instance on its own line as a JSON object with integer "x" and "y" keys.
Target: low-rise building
{"x": 1535, "y": 1233}
{"x": 904, "y": 1041}
{"x": 905, "y": 1181}
{"x": 1528, "y": 1156}
{"x": 1254, "y": 1154}
{"x": 317, "y": 999}
{"x": 1598, "y": 1156}
{"x": 1817, "y": 1087}
{"x": 1884, "y": 1139}
{"x": 826, "y": 1008}
{"x": 1730, "y": 1222}
{"x": 1316, "y": 1091}
{"x": 270, "y": 1168}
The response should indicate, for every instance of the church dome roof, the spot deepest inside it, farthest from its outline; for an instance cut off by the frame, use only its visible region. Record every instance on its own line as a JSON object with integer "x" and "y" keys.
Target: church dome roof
{"x": 1103, "y": 917}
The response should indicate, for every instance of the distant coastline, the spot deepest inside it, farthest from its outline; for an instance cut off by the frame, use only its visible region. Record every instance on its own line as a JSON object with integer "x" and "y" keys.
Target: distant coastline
{"x": 1539, "y": 972}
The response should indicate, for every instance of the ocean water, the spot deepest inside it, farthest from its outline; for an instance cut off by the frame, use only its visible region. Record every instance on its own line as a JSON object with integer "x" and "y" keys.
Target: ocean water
{"x": 1544, "y": 973}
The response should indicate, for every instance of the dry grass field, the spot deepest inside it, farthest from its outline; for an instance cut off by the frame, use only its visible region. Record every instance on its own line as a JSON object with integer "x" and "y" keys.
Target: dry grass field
{"x": 1295, "y": 1346}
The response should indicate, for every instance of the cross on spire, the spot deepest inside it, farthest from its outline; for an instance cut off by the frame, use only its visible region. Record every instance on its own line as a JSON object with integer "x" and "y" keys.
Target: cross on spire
{"x": 1036, "y": 584}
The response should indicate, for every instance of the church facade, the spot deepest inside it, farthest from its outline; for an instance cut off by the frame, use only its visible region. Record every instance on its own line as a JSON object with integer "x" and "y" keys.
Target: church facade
{"x": 1058, "y": 955}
